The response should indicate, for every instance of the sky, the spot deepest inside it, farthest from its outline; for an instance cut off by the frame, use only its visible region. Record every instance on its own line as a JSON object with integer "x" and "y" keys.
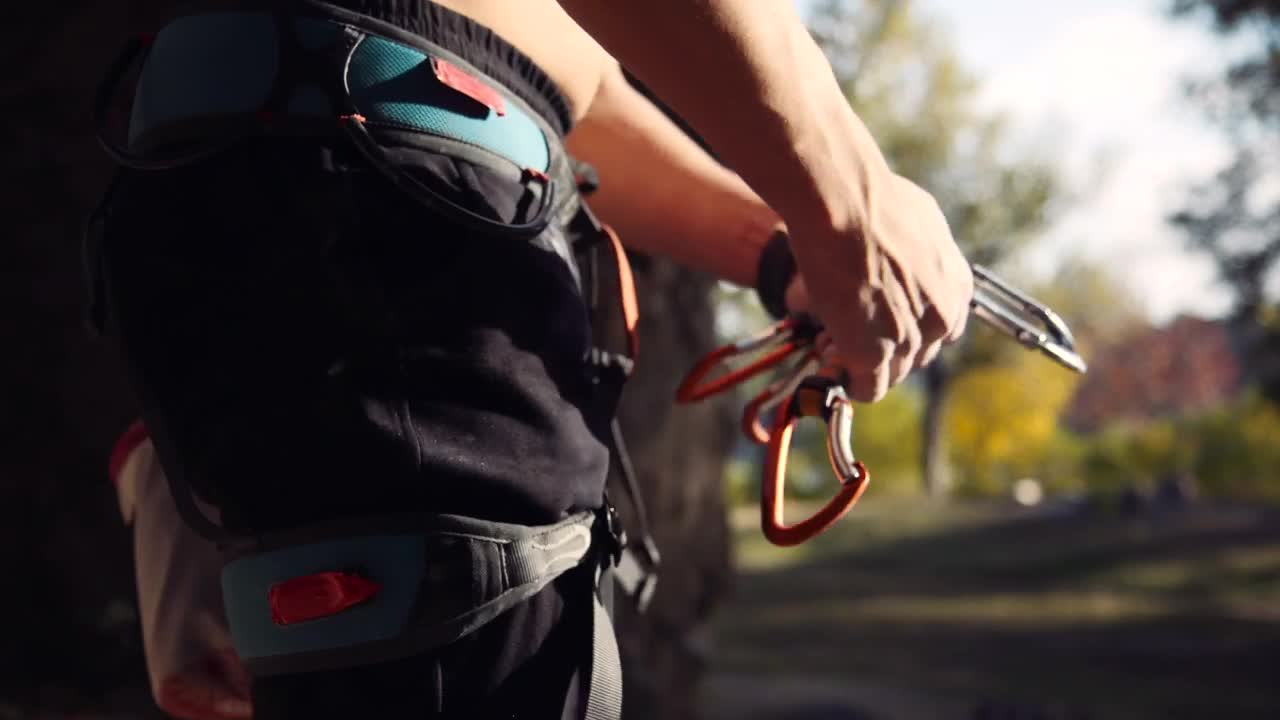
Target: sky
{"x": 1097, "y": 85}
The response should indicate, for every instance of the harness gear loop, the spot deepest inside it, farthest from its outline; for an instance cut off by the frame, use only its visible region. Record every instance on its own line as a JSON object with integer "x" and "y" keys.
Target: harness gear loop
{"x": 823, "y": 397}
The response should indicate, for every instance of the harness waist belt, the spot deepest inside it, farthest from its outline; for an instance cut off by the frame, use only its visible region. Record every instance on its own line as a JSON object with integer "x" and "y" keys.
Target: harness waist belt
{"x": 347, "y": 595}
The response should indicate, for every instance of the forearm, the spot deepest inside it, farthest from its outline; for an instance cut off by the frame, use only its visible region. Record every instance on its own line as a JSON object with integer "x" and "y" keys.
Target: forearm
{"x": 751, "y": 80}
{"x": 663, "y": 193}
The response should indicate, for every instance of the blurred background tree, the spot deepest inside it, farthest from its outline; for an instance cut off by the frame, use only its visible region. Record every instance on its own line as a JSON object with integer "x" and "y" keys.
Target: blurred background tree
{"x": 1235, "y": 217}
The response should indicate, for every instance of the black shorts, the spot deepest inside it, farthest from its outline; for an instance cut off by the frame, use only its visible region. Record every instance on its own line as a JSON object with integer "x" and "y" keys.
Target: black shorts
{"x": 310, "y": 343}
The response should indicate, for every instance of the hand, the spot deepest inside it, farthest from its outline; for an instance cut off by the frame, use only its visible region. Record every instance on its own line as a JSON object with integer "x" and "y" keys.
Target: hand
{"x": 909, "y": 299}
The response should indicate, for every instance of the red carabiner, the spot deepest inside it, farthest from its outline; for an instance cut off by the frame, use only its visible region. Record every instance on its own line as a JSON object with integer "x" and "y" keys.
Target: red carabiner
{"x": 789, "y": 335}
{"x": 817, "y": 396}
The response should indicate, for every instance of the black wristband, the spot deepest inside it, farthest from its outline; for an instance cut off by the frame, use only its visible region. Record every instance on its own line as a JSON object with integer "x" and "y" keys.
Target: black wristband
{"x": 774, "y": 273}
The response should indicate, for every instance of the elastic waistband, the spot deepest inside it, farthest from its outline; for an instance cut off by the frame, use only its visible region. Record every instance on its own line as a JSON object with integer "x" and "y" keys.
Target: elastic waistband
{"x": 473, "y": 42}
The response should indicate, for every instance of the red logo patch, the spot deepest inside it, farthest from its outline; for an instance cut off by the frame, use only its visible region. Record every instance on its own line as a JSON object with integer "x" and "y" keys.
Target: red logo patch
{"x": 458, "y": 79}
{"x": 320, "y": 595}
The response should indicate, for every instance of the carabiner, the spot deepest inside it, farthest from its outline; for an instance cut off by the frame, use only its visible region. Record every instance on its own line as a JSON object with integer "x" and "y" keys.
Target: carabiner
{"x": 817, "y": 396}
{"x": 1024, "y": 319}
{"x": 783, "y": 338}
{"x": 780, "y": 389}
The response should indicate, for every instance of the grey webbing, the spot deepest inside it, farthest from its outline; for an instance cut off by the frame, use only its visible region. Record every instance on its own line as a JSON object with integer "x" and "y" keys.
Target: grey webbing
{"x": 637, "y": 578}
{"x": 539, "y": 558}
{"x": 604, "y": 694}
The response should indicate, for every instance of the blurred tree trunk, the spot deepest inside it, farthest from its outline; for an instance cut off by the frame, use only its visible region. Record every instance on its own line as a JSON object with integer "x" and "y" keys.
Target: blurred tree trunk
{"x": 933, "y": 442}
{"x": 679, "y": 454}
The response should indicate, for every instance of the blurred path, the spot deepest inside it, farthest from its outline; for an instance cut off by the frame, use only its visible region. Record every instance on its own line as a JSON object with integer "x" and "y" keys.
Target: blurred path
{"x": 905, "y": 611}
{"x": 742, "y": 696}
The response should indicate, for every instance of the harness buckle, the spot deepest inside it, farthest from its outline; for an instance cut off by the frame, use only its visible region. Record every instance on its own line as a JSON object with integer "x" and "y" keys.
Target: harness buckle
{"x": 613, "y": 536}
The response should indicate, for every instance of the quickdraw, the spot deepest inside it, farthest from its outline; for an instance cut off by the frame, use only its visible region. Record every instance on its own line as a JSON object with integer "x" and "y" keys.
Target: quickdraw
{"x": 798, "y": 393}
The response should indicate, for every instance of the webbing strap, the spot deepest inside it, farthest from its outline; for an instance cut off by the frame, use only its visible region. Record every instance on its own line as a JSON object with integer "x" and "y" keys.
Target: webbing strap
{"x": 627, "y": 302}
{"x": 604, "y": 693}
{"x": 637, "y": 567}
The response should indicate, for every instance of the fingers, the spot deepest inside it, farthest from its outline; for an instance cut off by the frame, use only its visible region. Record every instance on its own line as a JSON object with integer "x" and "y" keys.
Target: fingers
{"x": 889, "y": 341}
{"x": 959, "y": 324}
{"x": 964, "y": 279}
{"x": 898, "y": 294}
{"x": 910, "y": 336}
{"x": 866, "y": 385}
{"x": 935, "y": 334}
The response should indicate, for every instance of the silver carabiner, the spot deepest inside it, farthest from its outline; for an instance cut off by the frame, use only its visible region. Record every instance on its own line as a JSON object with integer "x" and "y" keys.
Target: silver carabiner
{"x": 1023, "y": 318}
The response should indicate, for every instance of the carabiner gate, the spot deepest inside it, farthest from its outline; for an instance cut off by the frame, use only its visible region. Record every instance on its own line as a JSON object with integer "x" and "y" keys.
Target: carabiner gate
{"x": 817, "y": 396}
{"x": 1024, "y": 319}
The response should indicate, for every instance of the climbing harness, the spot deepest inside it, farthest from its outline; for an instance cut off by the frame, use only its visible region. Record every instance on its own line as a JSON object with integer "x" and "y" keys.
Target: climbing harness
{"x": 372, "y": 589}
{"x": 797, "y": 393}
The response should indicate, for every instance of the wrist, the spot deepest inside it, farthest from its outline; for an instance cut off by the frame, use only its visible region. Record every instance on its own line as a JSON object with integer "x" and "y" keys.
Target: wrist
{"x": 775, "y": 272}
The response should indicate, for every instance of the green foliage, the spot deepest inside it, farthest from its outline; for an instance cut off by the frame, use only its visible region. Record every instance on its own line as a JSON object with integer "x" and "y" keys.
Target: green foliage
{"x": 1237, "y": 451}
{"x": 1233, "y": 452}
{"x": 886, "y": 436}
{"x": 1003, "y": 418}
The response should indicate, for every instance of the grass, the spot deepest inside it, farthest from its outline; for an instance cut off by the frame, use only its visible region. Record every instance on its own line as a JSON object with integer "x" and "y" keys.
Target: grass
{"x": 1103, "y": 617}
